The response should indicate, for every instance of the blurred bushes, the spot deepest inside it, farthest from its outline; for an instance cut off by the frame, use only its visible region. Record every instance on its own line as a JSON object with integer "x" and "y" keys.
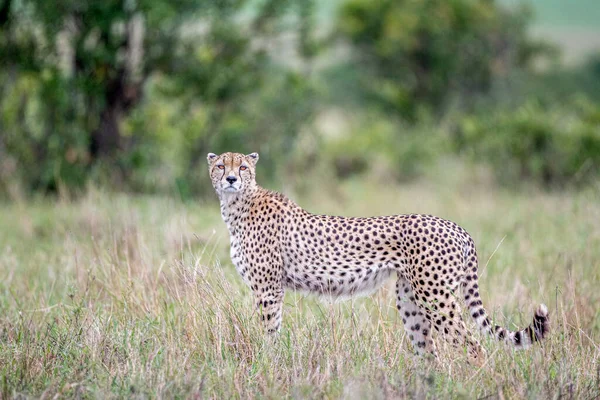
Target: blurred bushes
{"x": 393, "y": 152}
{"x": 43, "y": 137}
{"x": 180, "y": 130}
{"x": 132, "y": 95}
{"x": 550, "y": 145}
{"x": 470, "y": 66}
{"x": 421, "y": 55}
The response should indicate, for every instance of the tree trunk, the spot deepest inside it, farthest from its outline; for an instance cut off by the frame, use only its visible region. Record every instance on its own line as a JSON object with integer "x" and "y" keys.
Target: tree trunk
{"x": 5, "y": 13}
{"x": 121, "y": 93}
{"x": 106, "y": 140}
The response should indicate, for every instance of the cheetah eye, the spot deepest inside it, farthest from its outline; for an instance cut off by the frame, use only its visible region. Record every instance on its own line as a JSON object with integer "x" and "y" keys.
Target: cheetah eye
{"x": 243, "y": 168}
{"x": 221, "y": 166}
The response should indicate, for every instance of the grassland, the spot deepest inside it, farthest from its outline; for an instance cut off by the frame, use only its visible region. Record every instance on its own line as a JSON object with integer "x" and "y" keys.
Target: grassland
{"x": 126, "y": 296}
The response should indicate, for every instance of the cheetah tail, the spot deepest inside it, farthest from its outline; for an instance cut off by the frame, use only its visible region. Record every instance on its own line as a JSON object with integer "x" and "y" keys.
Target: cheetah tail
{"x": 535, "y": 332}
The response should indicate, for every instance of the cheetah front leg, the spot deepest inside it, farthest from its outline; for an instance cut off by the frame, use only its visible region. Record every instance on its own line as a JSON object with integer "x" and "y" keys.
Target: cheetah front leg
{"x": 266, "y": 281}
{"x": 417, "y": 327}
{"x": 270, "y": 304}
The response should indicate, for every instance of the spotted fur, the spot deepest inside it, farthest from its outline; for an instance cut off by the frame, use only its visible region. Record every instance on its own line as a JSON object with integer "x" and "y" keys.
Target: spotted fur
{"x": 277, "y": 245}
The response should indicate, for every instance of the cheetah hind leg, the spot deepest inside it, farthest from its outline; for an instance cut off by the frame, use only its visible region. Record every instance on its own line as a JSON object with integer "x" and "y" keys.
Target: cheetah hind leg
{"x": 417, "y": 327}
{"x": 446, "y": 318}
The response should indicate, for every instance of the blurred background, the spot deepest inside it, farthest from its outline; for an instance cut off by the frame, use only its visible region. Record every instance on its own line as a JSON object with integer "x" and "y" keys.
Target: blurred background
{"x": 115, "y": 277}
{"x": 131, "y": 94}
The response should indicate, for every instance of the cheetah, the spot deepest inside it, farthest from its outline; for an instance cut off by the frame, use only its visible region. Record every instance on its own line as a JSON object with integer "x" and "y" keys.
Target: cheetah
{"x": 277, "y": 245}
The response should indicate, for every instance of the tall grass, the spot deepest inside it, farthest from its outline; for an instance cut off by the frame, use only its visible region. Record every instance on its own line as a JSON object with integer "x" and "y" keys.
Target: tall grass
{"x": 113, "y": 296}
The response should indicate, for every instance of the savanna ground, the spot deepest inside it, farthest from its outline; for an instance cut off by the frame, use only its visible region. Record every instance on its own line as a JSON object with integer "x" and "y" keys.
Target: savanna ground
{"x": 113, "y": 295}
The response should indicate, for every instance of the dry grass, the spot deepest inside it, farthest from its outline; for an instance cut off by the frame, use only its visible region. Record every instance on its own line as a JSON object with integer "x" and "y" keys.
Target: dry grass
{"x": 116, "y": 296}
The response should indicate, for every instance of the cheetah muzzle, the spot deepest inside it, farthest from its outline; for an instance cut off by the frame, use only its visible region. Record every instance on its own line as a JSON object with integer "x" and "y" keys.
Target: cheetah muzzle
{"x": 277, "y": 245}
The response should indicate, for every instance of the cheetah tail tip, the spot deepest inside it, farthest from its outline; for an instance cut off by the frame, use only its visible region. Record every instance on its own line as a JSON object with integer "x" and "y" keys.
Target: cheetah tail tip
{"x": 541, "y": 321}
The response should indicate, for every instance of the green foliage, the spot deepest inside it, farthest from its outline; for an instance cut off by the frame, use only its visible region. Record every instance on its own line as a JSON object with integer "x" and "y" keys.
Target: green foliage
{"x": 549, "y": 145}
{"x": 133, "y": 94}
{"x": 42, "y": 130}
{"x": 182, "y": 130}
{"x": 376, "y": 144}
{"x": 418, "y": 54}
{"x": 88, "y": 66}
{"x": 560, "y": 82}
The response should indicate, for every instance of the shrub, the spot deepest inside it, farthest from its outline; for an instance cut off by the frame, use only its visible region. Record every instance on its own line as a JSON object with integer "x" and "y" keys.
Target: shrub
{"x": 389, "y": 149}
{"x": 416, "y": 54}
{"x": 549, "y": 145}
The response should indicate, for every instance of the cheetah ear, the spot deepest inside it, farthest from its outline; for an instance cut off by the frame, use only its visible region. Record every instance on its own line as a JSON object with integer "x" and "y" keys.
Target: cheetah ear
{"x": 211, "y": 157}
{"x": 252, "y": 158}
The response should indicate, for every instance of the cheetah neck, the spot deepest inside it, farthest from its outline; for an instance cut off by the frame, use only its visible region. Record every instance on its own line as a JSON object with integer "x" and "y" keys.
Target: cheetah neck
{"x": 236, "y": 205}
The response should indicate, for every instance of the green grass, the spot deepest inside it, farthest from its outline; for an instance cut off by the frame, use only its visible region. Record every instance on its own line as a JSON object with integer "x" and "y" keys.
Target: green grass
{"x": 120, "y": 296}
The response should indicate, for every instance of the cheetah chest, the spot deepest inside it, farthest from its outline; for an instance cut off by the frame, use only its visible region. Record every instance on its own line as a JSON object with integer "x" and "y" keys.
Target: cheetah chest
{"x": 238, "y": 259}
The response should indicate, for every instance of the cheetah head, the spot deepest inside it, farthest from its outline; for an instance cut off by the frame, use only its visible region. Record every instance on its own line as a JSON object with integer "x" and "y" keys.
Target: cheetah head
{"x": 232, "y": 173}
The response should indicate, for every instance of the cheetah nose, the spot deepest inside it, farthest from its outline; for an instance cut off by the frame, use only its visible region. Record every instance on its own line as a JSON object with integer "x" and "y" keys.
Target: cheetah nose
{"x": 231, "y": 179}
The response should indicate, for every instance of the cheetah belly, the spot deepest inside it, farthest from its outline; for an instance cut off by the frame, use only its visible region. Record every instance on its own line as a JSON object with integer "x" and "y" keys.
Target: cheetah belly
{"x": 338, "y": 284}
